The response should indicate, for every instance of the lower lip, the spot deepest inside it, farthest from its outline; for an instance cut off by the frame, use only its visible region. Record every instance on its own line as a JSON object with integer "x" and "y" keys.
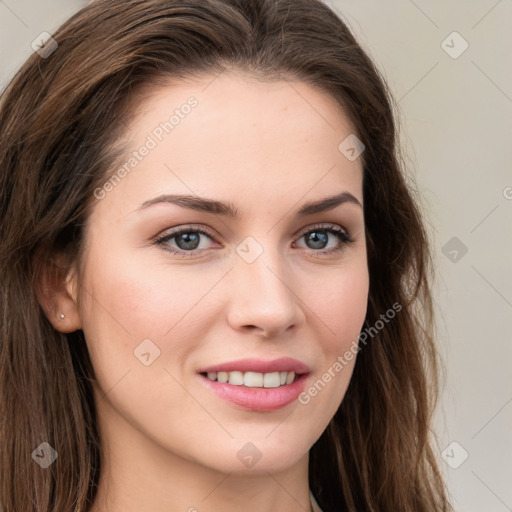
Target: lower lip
{"x": 257, "y": 399}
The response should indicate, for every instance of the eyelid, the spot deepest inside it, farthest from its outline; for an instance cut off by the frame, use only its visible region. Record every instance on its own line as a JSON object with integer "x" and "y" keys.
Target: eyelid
{"x": 322, "y": 226}
{"x": 160, "y": 239}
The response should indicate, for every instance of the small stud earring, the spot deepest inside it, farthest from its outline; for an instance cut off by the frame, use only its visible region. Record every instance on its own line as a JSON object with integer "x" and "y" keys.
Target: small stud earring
{"x": 62, "y": 315}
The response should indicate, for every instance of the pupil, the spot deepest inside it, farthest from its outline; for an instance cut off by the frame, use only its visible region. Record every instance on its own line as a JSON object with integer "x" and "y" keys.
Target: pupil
{"x": 318, "y": 238}
{"x": 191, "y": 240}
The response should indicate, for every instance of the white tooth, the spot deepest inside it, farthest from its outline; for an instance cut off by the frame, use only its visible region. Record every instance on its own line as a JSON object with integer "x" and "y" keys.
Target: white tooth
{"x": 290, "y": 377}
{"x": 212, "y": 375}
{"x": 253, "y": 379}
{"x": 222, "y": 377}
{"x": 283, "y": 378}
{"x": 271, "y": 380}
{"x": 236, "y": 378}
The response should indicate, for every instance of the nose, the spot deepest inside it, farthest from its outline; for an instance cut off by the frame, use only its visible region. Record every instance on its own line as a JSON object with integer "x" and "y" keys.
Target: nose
{"x": 263, "y": 299}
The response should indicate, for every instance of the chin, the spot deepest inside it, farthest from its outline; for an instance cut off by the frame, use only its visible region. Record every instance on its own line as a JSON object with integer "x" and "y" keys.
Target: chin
{"x": 256, "y": 455}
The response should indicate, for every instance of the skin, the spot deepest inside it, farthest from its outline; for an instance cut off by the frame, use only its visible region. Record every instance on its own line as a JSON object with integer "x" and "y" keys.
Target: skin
{"x": 267, "y": 147}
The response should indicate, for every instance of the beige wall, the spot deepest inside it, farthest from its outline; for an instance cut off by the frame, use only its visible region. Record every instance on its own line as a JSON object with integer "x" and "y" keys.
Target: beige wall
{"x": 456, "y": 117}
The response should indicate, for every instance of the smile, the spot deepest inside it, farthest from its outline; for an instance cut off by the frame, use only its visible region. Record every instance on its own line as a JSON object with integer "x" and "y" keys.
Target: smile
{"x": 256, "y": 385}
{"x": 253, "y": 379}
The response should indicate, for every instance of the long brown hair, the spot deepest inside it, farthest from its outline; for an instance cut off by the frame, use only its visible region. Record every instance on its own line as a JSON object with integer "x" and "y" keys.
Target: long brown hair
{"x": 60, "y": 118}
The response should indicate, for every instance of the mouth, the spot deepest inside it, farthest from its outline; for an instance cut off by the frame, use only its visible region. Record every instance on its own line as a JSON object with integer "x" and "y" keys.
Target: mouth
{"x": 257, "y": 385}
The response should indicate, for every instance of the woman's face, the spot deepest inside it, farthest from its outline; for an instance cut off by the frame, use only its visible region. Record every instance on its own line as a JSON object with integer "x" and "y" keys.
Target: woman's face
{"x": 261, "y": 293}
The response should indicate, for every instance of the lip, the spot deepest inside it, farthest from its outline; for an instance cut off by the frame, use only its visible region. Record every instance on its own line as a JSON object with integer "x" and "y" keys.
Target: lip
{"x": 257, "y": 399}
{"x": 282, "y": 364}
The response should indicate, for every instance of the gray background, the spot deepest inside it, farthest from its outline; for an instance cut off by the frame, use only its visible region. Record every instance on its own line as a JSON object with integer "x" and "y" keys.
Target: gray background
{"x": 456, "y": 127}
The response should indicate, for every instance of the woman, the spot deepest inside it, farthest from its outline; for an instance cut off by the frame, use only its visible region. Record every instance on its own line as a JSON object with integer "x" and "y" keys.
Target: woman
{"x": 214, "y": 273}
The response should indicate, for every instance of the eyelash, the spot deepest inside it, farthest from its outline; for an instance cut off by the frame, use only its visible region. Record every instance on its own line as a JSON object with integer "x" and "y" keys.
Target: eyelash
{"x": 343, "y": 236}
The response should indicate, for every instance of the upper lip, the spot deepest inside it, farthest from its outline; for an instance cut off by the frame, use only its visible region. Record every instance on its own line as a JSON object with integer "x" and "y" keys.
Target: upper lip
{"x": 282, "y": 364}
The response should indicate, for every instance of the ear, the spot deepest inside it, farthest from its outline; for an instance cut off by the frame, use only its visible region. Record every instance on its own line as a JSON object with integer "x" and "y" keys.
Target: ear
{"x": 57, "y": 293}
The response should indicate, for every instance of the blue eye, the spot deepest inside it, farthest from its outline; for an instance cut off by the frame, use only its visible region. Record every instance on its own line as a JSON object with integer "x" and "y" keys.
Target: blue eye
{"x": 188, "y": 239}
{"x": 319, "y": 236}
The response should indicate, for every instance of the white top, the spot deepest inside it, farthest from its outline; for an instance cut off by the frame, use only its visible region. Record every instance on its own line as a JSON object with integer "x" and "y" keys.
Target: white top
{"x": 314, "y": 504}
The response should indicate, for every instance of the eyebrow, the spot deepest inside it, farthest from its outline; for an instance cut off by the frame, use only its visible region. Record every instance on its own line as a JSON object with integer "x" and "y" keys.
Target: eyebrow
{"x": 229, "y": 210}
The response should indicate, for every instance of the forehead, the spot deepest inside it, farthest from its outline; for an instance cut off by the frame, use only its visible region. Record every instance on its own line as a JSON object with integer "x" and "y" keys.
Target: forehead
{"x": 220, "y": 134}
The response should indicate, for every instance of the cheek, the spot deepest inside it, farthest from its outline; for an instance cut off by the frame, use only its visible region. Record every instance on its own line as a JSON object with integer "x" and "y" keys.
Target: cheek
{"x": 136, "y": 313}
{"x": 349, "y": 301}
{"x": 341, "y": 304}
{"x": 129, "y": 300}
